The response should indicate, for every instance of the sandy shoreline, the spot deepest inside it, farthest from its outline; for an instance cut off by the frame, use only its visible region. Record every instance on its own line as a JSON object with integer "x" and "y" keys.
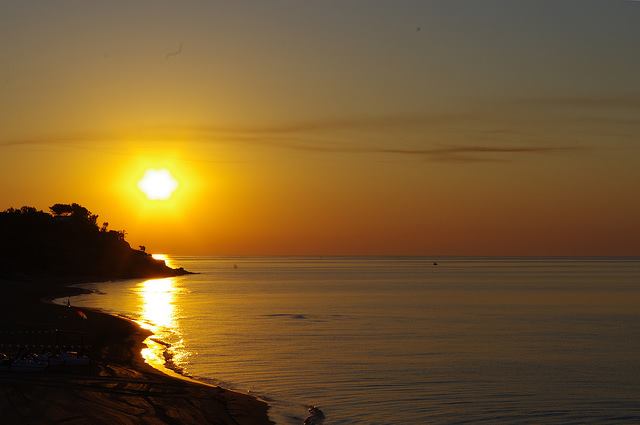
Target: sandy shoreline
{"x": 117, "y": 388}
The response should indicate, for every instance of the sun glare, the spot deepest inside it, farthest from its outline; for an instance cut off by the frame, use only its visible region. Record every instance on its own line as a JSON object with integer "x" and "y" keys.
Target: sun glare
{"x": 163, "y": 257}
{"x": 158, "y": 185}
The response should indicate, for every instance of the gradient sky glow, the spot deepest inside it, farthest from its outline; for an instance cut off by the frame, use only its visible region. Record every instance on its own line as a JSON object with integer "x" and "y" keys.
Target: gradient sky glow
{"x": 331, "y": 127}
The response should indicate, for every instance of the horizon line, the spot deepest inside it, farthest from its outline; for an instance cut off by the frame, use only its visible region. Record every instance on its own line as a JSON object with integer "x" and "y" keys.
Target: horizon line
{"x": 424, "y": 256}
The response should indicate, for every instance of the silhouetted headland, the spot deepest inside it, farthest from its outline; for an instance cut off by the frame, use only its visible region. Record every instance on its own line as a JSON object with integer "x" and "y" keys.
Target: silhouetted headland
{"x": 59, "y": 363}
{"x": 68, "y": 245}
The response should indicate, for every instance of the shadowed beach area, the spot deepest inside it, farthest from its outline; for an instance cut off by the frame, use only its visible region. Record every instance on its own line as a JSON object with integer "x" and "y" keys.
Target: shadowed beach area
{"x": 118, "y": 387}
{"x": 61, "y": 364}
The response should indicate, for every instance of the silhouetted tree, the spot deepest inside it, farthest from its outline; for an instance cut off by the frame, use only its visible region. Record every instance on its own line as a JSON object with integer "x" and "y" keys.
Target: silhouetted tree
{"x": 28, "y": 210}
{"x": 143, "y": 248}
{"x": 74, "y": 211}
{"x": 63, "y": 210}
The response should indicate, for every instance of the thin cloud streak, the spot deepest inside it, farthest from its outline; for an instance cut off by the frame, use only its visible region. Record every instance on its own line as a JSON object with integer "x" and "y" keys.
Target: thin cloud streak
{"x": 452, "y": 153}
{"x": 304, "y": 136}
{"x": 389, "y": 122}
{"x": 631, "y": 101}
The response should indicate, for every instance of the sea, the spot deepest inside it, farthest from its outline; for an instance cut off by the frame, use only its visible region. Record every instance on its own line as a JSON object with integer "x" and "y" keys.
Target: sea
{"x": 401, "y": 340}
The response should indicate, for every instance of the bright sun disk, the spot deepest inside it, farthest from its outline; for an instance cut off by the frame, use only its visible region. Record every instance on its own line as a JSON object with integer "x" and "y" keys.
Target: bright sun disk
{"x": 158, "y": 184}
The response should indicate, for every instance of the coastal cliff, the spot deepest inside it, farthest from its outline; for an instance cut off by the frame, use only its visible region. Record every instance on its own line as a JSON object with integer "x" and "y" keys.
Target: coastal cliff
{"x": 68, "y": 245}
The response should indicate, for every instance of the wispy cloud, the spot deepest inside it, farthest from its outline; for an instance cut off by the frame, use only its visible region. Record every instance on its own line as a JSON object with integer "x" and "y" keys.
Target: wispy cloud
{"x": 629, "y": 101}
{"x": 375, "y": 136}
{"x": 467, "y": 153}
{"x": 331, "y": 124}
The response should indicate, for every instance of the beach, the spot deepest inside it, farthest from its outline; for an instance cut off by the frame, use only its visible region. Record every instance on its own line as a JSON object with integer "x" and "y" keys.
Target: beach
{"x": 118, "y": 387}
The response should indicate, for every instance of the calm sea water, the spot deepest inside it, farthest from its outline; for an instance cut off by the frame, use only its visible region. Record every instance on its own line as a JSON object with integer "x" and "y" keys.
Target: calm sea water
{"x": 403, "y": 341}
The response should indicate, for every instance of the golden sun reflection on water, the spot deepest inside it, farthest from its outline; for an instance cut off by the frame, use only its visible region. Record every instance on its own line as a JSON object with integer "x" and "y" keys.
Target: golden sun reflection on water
{"x": 165, "y": 258}
{"x": 158, "y": 315}
{"x": 158, "y": 297}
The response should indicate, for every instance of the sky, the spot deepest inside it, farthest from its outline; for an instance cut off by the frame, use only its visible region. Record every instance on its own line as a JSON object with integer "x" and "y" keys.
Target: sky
{"x": 331, "y": 127}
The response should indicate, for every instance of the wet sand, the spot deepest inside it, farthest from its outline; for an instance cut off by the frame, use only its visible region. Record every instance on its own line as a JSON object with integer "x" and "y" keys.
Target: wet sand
{"x": 117, "y": 388}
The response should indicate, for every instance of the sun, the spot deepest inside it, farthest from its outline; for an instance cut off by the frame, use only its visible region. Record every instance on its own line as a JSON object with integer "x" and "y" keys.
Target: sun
{"x": 158, "y": 185}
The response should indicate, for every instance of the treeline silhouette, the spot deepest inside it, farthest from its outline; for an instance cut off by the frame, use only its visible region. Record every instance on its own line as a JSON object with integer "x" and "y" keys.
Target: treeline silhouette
{"x": 68, "y": 243}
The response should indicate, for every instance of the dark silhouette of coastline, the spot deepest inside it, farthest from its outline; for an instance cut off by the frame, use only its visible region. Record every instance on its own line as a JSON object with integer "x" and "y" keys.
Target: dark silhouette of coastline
{"x": 40, "y": 254}
{"x": 67, "y": 245}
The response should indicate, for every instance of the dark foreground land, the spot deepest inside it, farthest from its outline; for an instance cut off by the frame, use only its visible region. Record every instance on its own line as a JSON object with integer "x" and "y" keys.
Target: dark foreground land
{"x": 116, "y": 388}
{"x": 62, "y": 365}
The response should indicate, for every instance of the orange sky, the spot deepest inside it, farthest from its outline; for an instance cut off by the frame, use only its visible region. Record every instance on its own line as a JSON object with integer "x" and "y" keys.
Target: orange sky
{"x": 309, "y": 129}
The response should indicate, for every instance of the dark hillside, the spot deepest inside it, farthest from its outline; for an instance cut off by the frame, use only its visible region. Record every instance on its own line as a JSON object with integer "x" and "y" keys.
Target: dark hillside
{"x": 68, "y": 244}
